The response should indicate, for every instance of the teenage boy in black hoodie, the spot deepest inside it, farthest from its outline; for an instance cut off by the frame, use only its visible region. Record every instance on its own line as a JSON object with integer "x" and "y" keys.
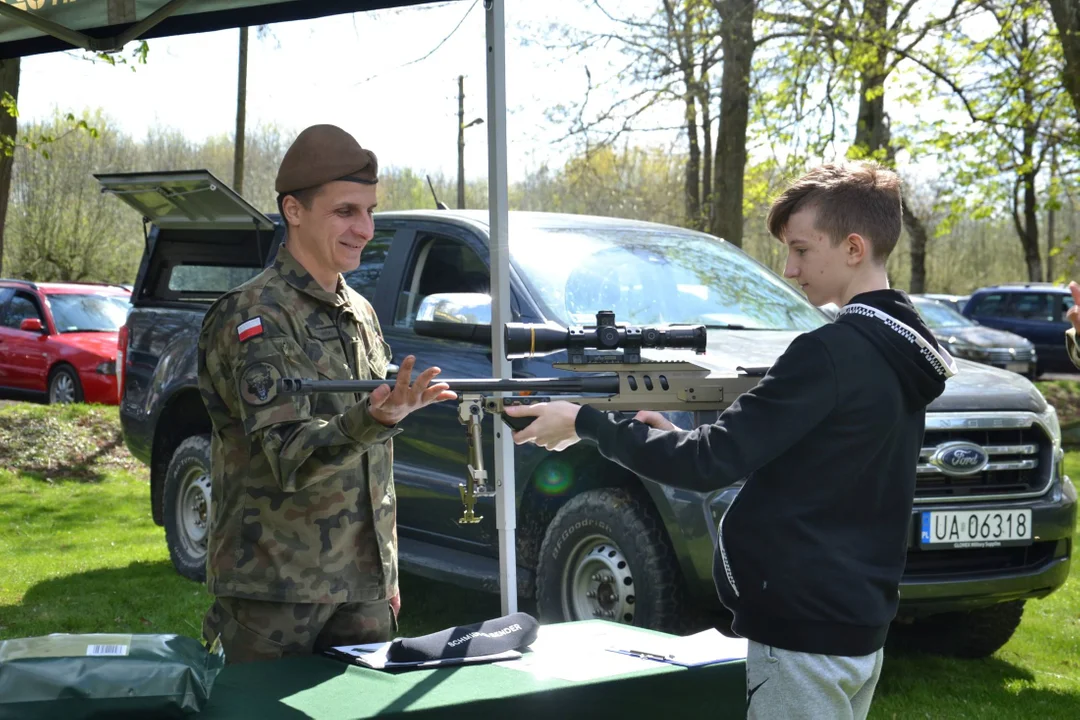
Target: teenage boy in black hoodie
{"x": 811, "y": 552}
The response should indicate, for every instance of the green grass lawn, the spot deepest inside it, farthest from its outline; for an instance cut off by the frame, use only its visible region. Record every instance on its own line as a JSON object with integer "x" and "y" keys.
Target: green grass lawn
{"x": 82, "y": 554}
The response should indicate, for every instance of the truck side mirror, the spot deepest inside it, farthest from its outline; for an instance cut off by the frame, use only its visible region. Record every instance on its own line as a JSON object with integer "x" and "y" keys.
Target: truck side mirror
{"x": 31, "y": 325}
{"x": 455, "y": 316}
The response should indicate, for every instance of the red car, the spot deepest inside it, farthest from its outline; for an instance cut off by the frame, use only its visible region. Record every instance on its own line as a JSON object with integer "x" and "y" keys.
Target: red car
{"x": 58, "y": 340}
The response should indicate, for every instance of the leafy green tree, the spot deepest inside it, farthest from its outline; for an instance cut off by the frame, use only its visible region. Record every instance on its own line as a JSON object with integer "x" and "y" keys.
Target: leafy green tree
{"x": 667, "y": 55}
{"x": 10, "y": 138}
{"x": 1007, "y": 82}
{"x": 852, "y": 51}
{"x": 58, "y": 227}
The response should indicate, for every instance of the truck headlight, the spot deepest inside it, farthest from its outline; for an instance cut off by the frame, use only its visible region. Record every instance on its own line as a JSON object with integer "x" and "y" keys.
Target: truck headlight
{"x": 1049, "y": 419}
{"x": 961, "y": 349}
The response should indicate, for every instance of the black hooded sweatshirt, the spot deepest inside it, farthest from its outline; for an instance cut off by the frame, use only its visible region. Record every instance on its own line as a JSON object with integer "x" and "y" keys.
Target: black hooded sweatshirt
{"x": 811, "y": 552}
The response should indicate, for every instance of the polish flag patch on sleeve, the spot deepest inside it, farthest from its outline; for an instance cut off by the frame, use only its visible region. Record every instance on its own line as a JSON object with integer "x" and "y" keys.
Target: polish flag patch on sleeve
{"x": 249, "y": 329}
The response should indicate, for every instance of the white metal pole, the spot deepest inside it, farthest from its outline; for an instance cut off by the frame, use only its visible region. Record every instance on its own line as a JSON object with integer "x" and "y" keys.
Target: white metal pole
{"x": 498, "y": 208}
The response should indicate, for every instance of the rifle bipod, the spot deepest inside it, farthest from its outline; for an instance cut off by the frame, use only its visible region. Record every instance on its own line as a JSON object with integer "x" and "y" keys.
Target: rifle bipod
{"x": 471, "y": 414}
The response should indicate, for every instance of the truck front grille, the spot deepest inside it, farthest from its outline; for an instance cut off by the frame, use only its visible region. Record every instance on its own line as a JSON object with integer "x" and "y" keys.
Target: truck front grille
{"x": 1011, "y": 461}
{"x": 1003, "y": 355}
{"x": 926, "y": 564}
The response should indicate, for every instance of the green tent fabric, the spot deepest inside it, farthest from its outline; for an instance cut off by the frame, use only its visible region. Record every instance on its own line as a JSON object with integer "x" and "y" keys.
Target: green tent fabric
{"x": 26, "y": 25}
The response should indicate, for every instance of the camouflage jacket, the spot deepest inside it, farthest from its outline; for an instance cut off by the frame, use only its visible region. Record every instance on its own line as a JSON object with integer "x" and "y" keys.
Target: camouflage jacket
{"x": 303, "y": 507}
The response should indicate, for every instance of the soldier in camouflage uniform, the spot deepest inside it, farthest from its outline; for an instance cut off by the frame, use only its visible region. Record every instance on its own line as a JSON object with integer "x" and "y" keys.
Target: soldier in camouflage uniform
{"x": 303, "y": 539}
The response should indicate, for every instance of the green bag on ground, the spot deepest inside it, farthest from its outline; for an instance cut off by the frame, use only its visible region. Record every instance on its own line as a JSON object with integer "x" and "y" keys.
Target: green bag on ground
{"x": 78, "y": 677}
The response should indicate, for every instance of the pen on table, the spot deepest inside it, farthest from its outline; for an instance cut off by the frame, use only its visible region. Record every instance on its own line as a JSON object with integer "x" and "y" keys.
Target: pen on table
{"x": 648, "y": 655}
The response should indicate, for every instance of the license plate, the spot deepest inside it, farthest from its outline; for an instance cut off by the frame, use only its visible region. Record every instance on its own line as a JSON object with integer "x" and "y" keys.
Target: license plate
{"x": 1016, "y": 367}
{"x": 959, "y": 529}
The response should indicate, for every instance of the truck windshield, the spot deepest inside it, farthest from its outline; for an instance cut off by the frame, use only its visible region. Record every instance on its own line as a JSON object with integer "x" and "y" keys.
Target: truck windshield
{"x": 88, "y": 313}
{"x": 937, "y": 315}
{"x": 656, "y": 276}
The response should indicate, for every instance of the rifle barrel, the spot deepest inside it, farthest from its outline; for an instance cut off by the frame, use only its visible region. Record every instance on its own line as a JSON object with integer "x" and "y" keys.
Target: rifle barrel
{"x": 606, "y": 383}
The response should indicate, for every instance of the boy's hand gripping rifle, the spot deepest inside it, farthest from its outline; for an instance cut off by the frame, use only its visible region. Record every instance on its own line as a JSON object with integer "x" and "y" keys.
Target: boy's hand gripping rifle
{"x": 627, "y": 384}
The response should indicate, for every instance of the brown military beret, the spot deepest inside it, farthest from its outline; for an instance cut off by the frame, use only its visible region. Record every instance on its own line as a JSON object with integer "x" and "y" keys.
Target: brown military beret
{"x": 322, "y": 154}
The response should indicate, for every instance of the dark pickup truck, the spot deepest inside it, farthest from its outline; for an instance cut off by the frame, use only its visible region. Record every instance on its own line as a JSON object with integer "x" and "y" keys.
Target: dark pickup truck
{"x": 994, "y": 512}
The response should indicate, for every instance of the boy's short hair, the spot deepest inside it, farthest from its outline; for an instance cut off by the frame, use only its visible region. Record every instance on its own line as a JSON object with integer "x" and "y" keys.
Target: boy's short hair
{"x": 856, "y": 197}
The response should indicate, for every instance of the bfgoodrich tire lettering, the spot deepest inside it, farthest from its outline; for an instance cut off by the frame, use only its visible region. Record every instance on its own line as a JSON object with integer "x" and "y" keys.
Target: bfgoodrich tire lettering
{"x": 606, "y": 556}
{"x": 186, "y": 506}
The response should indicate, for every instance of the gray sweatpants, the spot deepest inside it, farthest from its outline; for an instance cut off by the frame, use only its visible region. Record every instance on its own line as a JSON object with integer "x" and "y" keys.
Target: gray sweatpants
{"x": 786, "y": 685}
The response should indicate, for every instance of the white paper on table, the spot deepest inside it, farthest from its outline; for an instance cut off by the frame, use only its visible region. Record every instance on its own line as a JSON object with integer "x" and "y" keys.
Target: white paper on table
{"x": 703, "y": 648}
{"x": 585, "y": 658}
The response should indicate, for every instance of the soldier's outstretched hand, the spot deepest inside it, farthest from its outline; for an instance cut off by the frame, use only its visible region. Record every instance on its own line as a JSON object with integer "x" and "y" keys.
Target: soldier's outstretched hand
{"x": 391, "y": 406}
{"x": 1073, "y": 314}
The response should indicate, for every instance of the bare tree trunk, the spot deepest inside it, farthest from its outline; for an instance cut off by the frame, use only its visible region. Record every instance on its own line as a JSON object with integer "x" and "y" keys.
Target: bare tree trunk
{"x": 707, "y": 152}
{"x": 681, "y": 27}
{"x": 693, "y": 162}
{"x": 872, "y": 133}
{"x": 1050, "y": 244}
{"x": 1067, "y": 18}
{"x": 1029, "y": 232}
{"x": 871, "y": 130}
{"x": 9, "y": 125}
{"x": 737, "y": 30}
{"x": 917, "y": 233}
{"x": 241, "y": 114}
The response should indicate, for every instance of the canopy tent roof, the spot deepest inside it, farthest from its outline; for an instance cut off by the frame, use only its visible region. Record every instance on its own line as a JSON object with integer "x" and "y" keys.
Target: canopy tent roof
{"x": 29, "y": 27}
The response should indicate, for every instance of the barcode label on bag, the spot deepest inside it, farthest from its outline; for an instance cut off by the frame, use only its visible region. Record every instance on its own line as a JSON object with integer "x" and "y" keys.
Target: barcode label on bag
{"x": 106, "y": 649}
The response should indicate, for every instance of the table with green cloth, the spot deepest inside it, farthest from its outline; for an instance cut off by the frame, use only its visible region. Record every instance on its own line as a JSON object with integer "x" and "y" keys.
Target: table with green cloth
{"x": 567, "y": 673}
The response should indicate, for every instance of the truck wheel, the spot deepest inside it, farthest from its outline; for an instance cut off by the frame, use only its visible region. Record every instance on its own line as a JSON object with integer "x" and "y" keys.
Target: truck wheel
{"x": 971, "y": 634}
{"x": 605, "y": 555}
{"x": 64, "y": 386}
{"x": 187, "y": 506}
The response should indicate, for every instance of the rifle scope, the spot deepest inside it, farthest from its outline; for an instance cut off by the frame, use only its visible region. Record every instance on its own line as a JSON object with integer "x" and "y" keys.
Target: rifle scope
{"x": 525, "y": 340}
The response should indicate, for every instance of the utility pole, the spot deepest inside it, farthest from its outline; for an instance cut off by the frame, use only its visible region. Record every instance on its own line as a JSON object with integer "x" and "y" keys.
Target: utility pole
{"x": 241, "y": 113}
{"x": 461, "y": 143}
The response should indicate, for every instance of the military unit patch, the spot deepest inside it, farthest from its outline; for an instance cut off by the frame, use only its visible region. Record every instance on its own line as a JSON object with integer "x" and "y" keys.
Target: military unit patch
{"x": 249, "y": 329}
{"x": 259, "y": 385}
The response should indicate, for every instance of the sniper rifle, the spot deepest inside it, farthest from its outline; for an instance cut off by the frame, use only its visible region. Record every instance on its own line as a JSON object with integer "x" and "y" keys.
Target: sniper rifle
{"x": 626, "y": 384}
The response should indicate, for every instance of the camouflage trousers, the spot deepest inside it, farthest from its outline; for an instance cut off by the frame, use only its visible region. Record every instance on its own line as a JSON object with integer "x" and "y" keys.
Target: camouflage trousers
{"x": 252, "y": 630}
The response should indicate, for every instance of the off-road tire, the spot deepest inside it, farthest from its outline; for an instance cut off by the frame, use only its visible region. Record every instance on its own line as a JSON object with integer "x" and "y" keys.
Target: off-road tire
{"x": 970, "y": 634}
{"x": 186, "y": 479}
{"x": 64, "y": 377}
{"x": 619, "y": 526}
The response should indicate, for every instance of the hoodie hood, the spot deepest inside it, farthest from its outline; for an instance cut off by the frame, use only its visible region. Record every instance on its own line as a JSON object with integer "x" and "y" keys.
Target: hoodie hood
{"x": 889, "y": 320}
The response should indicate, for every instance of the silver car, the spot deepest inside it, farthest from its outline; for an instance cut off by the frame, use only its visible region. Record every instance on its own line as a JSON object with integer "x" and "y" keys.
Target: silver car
{"x": 956, "y": 302}
{"x": 965, "y": 338}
